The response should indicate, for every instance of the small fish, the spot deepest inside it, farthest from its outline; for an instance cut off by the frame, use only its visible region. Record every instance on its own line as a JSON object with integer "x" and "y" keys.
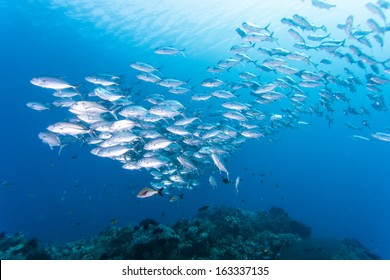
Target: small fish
{"x": 322, "y": 4}
{"x": 67, "y": 128}
{"x": 51, "y": 83}
{"x": 5, "y": 183}
{"x": 156, "y": 144}
{"x": 381, "y": 136}
{"x": 103, "y": 79}
{"x": 360, "y": 138}
{"x": 66, "y": 93}
{"x": 259, "y": 37}
{"x": 351, "y": 126}
{"x": 296, "y": 35}
{"x": 171, "y": 83}
{"x": 143, "y": 67}
{"x": 237, "y": 183}
{"x": 223, "y": 94}
{"x": 317, "y": 37}
{"x": 114, "y": 221}
{"x": 175, "y": 198}
{"x": 310, "y": 84}
{"x": 213, "y": 182}
{"x": 148, "y": 77}
{"x": 376, "y": 10}
{"x": 220, "y": 164}
{"x": 216, "y": 69}
{"x": 37, "y": 106}
{"x": 289, "y": 22}
{"x": 241, "y": 32}
{"x": 305, "y": 25}
{"x": 147, "y": 162}
{"x": 148, "y": 192}
{"x": 326, "y": 61}
{"x": 379, "y": 40}
{"x": 251, "y": 27}
{"x": 212, "y": 83}
{"x": 242, "y": 48}
{"x": 168, "y": 51}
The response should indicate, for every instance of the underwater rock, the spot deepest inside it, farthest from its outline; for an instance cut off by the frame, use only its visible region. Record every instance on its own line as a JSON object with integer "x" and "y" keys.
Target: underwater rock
{"x": 157, "y": 242}
{"x": 277, "y": 220}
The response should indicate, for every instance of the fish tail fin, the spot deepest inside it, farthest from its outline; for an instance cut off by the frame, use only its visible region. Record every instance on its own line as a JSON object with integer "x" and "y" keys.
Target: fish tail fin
{"x": 76, "y": 88}
{"x": 113, "y": 112}
{"x": 267, "y": 26}
{"x": 271, "y": 35}
{"x": 323, "y": 27}
{"x": 160, "y": 191}
{"x": 181, "y": 196}
{"x": 60, "y": 149}
{"x": 182, "y": 52}
{"x": 158, "y": 69}
{"x": 384, "y": 63}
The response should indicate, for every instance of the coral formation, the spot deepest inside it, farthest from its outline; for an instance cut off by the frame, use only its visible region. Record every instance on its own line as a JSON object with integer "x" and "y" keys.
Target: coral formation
{"x": 17, "y": 247}
{"x": 218, "y": 233}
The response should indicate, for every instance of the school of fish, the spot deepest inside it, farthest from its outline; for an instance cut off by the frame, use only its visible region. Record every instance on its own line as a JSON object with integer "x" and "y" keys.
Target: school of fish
{"x": 269, "y": 88}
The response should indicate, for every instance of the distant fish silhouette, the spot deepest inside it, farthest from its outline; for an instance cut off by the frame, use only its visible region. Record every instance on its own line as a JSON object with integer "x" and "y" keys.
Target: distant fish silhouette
{"x": 226, "y": 181}
{"x": 203, "y": 208}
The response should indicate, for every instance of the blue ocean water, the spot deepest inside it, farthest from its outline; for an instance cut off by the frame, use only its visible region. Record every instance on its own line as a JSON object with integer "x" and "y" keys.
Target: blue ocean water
{"x": 317, "y": 173}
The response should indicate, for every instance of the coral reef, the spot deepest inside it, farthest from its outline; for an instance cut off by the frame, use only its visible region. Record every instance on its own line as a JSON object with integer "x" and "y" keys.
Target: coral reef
{"x": 327, "y": 249}
{"x": 17, "y": 247}
{"x": 218, "y": 233}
